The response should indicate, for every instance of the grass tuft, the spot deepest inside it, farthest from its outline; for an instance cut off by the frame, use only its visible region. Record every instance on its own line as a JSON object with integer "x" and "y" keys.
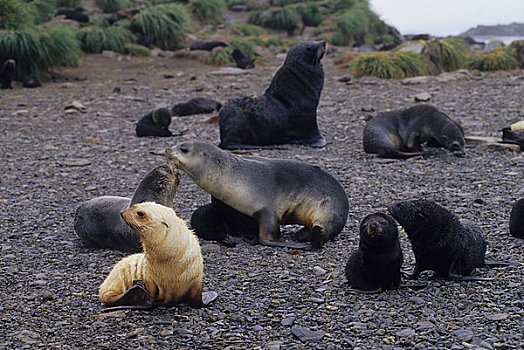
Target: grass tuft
{"x": 285, "y": 18}
{"x": 501, "y": 58}
{"x": 387, "y": 65}
{"x": 209, "y": 11}
{"x": 96, "y": 40}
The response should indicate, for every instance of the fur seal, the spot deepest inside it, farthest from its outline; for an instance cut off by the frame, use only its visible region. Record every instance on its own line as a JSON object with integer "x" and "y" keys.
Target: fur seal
{"x": 206, "y": 45}
{"x": 376, "y": 264}
{"x": 516, "y": 219}
{"x": 170, "y": 271}
{"x": 272, "y": 191}
{"x": 400, "y": 133}
{"x": 6, "y": 74}
{"x": 155, "y": 123}
{"x": 440, "y": 241}
{"x": 287, "y": 112}
{"x": 241, "y": 60}
{"x": 98, "y": 223}
{"x": 74, "y": 14}
{"x": 219, "y": 222}
{"x": 31, "y": 81}
{"x": 197, "y": 105}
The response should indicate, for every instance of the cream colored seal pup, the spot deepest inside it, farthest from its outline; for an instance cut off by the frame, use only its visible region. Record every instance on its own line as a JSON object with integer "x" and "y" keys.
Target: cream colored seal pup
{"x": 169, "y": 271}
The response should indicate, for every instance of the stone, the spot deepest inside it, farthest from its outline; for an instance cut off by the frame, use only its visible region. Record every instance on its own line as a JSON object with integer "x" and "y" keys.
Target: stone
{"x": 499, "y": 146}
{"x": 288, "y": 321}
{"x": 406, "y": 332}
{"x": 415, "y": 47}
{"x": 319, "y": 271}
{"x": 464, "y": 334}
{"x": 480, "y": 139}
{"x": 305, "y": 334}
{"x": 415, "y": 80}
{"x": 422, "y": 97}
{"x": 230, "y": 71}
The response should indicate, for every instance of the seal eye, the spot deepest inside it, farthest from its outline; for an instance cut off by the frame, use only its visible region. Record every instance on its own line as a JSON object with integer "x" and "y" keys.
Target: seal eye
{"x": 140, "y": 214}
{"x": 184, "y": 149}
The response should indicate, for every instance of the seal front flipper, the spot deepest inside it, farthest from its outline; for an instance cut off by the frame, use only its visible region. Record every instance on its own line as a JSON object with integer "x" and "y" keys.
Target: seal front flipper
{"x": 269, "y": 231}
{"x": 136, "y": 297}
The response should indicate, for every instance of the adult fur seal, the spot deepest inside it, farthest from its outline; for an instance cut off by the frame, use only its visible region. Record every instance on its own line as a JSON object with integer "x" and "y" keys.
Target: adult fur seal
{"x": 99, "y": 224}
{"x": 400, "y": 133}
{"x": 516, "y": 219}
{"x": 287, "y": 112}
{"x": 170, "y": 270}
{"x": 7, "y": 73}
{"x": 155, "y": 123}
{"x": 376, "y": 264}
{"x": 272, "y": 191}
{"x": 440, "y": 241}
{"x": 197, "y": 105}
{"x": 241, "y": 60}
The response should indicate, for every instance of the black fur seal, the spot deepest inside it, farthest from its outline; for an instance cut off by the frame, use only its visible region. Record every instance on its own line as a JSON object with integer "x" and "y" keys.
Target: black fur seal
{"x": 400, "y": 133}
{"x": 376, "y": 264}
{"x": 7, "y": 73}
{"x": 206, "y": 45}
{"x": 219, "y": 222}
{"x": 154, "y": 123}
{"x": 99, "y": 224}
{"x": 516, "y": 219}
{"x": 440, "y": 241}
{"x": 241, "y": 60}
{"x": 272, "y": 191}
{"x": 197, "y": 105}
{"x": 287, "y": 112}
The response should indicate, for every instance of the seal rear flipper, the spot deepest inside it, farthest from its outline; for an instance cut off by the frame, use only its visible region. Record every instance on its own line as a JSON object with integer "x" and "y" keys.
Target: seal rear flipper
{"x": 196, "y": 298}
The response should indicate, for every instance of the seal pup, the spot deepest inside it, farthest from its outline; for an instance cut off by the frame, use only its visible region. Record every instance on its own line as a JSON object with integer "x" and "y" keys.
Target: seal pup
{"x": 516, "y": 219}
{"x": 376, "y": 264}
{"x": 169, "y": 271}
{"x": 99, "y": 224}
{"x": 272, "y": 191}
{"x": 197, "y": 105}
{"x": 400, "y": 133}
{"x": 6, "y": 74}
{"x": 287, "y": 112}
{"x": 219, "y": 222}
{"x": 155, "y": 123}
{"x": 32, "y": 81}
{"x": 241, "y": 60}
{"x": 440, "y": 241}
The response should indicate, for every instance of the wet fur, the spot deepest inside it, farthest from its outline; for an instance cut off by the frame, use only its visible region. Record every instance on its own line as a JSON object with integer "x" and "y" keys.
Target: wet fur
{"x": 99, "y": 224}
{"x": 440, "y": 242}
{"x": 287, "y": 112}
{"x": 272, "y": 191}
{"x": 516, "y": 219}
{"x": 171, "y": 266}
{"x": 376, "y": 264}
{"x": 401, "y": 133}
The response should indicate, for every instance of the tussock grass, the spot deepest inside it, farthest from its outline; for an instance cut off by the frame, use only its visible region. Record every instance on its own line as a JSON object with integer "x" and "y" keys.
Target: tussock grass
{"x": 166, "y": 25}
{"x": 310, "y": 14}
{"x": 96, "y": 40}
{"x": 41, "y": 10}
{"x": 208, "y": 11}
{"x": 112, "y": 6}
{"x": 285, "y": 18}
{"x": 137, "y": 50}
{"x": 387, "y": 65}
{"x": 501, "y": 58}
{"x": 60, "y": 46}
{"x": 246, "y": 29}
{"x": 518, "y": 47}
{"x": 14, "y": 16}
{"x": 219, "y": 57}
{"x": 69, "y": 3}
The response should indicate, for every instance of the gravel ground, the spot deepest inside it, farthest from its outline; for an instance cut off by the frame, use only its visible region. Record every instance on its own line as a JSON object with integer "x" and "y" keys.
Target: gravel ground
{"x": 52, "y": 160}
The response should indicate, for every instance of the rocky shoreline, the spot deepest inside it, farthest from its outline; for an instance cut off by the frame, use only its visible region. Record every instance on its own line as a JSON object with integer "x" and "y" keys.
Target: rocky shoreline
{"x": 54, "y": 158}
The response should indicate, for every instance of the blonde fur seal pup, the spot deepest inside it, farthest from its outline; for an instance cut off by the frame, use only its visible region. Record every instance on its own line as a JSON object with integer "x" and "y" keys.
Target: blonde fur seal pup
{"x": 272, "y": 191}
{"x": 170, "y": 270}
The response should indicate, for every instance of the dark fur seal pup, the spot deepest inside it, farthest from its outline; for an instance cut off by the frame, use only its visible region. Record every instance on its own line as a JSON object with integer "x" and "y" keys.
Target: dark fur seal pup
{"x": 241, "y": 60}
{"x": 155, "y": 123}
{"x": 287, "y": 112}
{"x": 400, "y": 133}
{"x": 376, "y": 264}
{"x": 516, "y": 219}
{"x": 74, "y": 14}
{"x": 98, "y": 222}
{"x": 7, "y": 73}
{"x": 206, "y": 46}
{"x": 197, "y": 105}
{"x": 272, "y": 191}
{"x": 32, "y": 81}
{"x": 440, "y": 241}
{"x": 219, "y": 222}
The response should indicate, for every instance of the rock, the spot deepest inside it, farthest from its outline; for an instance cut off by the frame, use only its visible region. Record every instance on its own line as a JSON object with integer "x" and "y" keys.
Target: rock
{"x": 231, "y": 71}
{"x": 274, "y": 345}
{"x": 499, "y": 146}
{"x": 480, "y": 139}
{"x": 319, "y": 271}
{"x": 413, "y": 47}
{"x": 316, "y": 300}
{"x": 497, "y": 317}
{"x": 416, "y": 80}
{"x": 422, "y": 97}
{"x": 288, "y": 321}
{"x": 109, "y": 54}
{"x": 345, "y": 78}
{"x": 407, "y": 332}
{"x": 75, "y": 162}
{"x": 305, "y": 334}
{"x": 77, "y": 105}
{"x": 464, "y": 334}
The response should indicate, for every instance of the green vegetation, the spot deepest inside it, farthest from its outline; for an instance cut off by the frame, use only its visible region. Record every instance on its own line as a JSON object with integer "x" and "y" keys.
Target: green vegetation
{"x": 246, "y": 29}
{"x": 166, "y": 25}
{"x": 285, "y": 18}
{"x": 60, "y": 47}
{"x": 14, "y": 16}
{"x": 112, "y": 6}
{"x": 283, "y": 3}
{"x": 244, "y": 45}
{"x": 310, "y": 14}
{"x": 257, "y": 6}
{"x": 41, "y": 10}
{"x": 99, "y": 21}
{"x": 518, "y": 47}
{"x": 69, "y": 3}
{"x": 501, "y": 58}
{"x": 219, "y": 57}
{"x": 231, "y": 3}
{"x": 208, "y": 11}
{"x": 138, "y": 50}
{"x": 399, "y": 64}
{"x": 96, "y": 40}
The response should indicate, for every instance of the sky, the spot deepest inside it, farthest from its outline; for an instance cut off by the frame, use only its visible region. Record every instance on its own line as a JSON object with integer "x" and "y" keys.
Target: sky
{"x": 446, "y": 17}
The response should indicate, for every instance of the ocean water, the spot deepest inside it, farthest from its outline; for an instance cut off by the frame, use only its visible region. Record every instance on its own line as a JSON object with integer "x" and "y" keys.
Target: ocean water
{"x": 505, "y": 39}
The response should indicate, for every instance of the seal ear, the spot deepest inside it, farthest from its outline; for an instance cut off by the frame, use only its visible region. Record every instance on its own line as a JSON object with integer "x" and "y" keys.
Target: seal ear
{"x": 166, "y": 225}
